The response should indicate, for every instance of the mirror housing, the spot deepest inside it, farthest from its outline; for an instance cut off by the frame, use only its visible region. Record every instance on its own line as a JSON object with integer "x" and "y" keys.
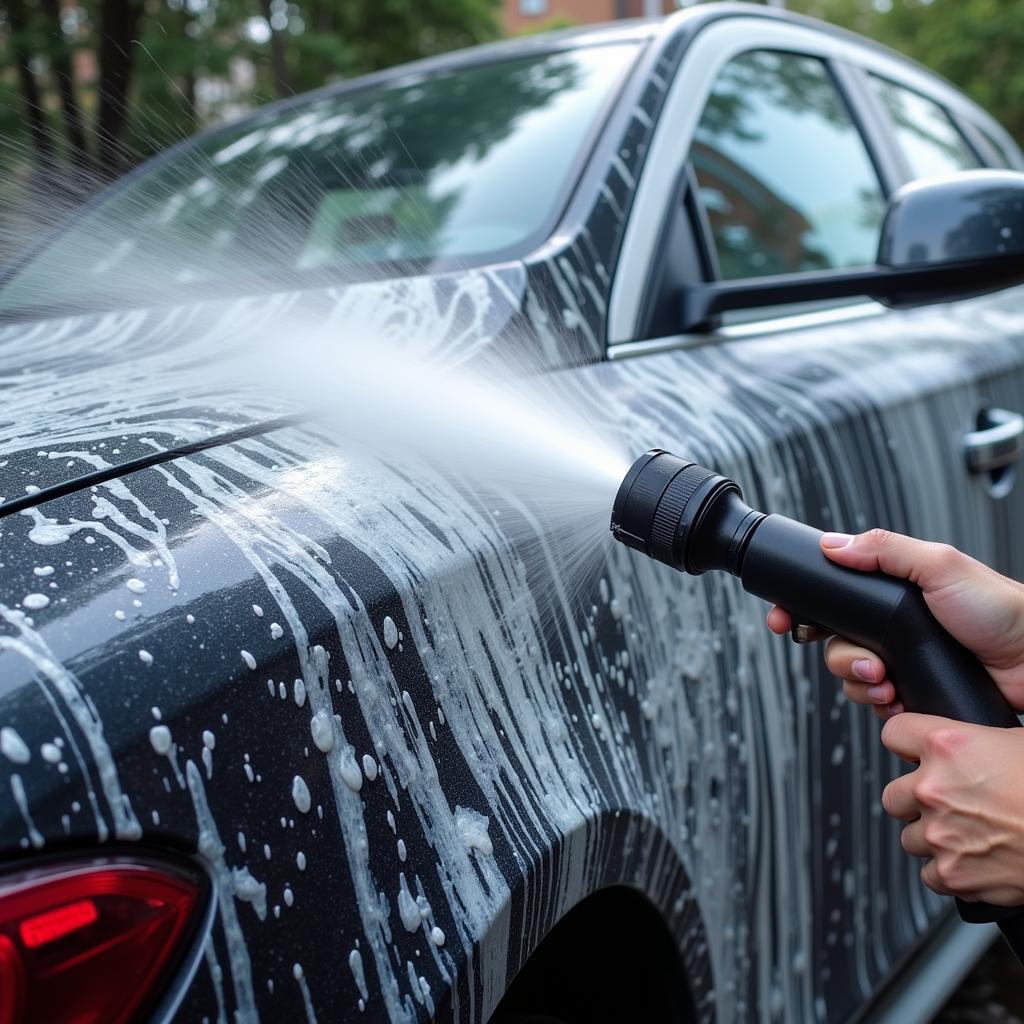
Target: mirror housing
{"x": 973, "y": 220}
{"x": 942, "y": 239}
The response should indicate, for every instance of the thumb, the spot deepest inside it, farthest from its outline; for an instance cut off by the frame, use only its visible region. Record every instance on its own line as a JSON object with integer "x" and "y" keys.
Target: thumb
{"x": 931, "y": 566}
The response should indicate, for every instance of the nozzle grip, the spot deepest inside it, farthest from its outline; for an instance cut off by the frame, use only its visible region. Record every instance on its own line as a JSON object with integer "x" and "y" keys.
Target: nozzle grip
{"x": 932, "y": 673}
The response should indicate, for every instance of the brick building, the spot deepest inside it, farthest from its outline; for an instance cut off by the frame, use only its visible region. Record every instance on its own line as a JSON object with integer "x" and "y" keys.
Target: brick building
{"x": 524, "y": 15}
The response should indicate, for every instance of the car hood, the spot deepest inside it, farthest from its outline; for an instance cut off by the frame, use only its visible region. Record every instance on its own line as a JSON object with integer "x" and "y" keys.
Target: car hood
{"x": 100, "y": 391}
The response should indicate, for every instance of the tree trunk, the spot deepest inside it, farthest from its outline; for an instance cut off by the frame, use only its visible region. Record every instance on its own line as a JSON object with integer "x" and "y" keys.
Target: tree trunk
{"x": 187, "y": 84}
{"x": 118, "y": 23}
{"x": 35, "y": 118}
{"x": 277, "y": 58}
{"x": 70, "y": 109}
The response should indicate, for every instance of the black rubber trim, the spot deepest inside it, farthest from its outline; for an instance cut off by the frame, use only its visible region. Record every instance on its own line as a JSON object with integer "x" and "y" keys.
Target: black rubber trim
{"x": 101, "y": 476}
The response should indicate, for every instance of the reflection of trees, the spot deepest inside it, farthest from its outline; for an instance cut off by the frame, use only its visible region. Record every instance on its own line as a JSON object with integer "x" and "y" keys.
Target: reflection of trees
{"x": 757, "y": 231}
{"x": 981, "y": 233}
{"x": 371, "y": 141}
{"x": 870, "y": 207}
{"x": 247, "y": 198}
{"x": 938, "y": 134}
{"x": 798, "y": 84}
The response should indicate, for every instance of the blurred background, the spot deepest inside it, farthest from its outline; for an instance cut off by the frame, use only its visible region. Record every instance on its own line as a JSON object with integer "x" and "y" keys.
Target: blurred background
{"x": 89, "y": 88}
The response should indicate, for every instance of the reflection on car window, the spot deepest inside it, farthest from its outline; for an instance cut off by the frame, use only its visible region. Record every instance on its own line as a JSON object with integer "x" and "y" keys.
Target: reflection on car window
{"x": 1003, "y": 158}
{"x": 459, "y": 164}
{"x": 930, "y": 141}
{"x": 783, "y": 172}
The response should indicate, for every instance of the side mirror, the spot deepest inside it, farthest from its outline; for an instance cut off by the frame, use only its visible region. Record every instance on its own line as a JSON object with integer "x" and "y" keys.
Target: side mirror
{"x": 953, "y": 237}
{"x": 942, "y": 239}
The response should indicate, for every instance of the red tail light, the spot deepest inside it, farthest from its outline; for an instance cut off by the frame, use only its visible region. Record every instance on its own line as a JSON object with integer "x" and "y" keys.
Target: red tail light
{"x": 91, "y": 942}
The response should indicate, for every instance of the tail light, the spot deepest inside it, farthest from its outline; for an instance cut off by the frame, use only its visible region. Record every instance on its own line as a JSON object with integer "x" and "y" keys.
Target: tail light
{"x": 94, "y": 941}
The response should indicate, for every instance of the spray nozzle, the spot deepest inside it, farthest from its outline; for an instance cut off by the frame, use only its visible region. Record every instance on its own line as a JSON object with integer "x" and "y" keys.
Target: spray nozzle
{"x": 682, "y": 514}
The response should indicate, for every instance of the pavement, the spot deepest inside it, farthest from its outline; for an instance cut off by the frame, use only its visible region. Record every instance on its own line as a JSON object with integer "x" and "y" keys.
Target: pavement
{"x": 993, "y": 993}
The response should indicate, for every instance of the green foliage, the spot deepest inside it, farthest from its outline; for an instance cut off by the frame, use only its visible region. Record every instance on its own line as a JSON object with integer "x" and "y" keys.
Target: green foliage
{"x": 190, "y": 63}
{"x": 976, "y": 44}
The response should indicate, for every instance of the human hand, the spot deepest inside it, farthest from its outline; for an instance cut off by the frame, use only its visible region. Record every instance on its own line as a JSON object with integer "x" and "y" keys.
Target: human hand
{"x": 975, "y": 604}
{"x": 964, "y": 804}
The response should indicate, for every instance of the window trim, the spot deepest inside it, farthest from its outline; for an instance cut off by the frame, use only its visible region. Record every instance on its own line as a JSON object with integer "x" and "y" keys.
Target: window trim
{"x": 984, "y": 143}
{"x": 891, "y": 126}
{"x": 875, "y": 125}
{"x": 713, "y": 46}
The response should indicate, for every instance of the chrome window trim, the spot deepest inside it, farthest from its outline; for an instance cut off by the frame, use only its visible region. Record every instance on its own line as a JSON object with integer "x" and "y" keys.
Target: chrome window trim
{"x": 754, "y": 328}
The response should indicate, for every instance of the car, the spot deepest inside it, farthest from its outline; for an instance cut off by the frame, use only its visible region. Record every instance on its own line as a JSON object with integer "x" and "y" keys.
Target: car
{"x": 286, "y": 737}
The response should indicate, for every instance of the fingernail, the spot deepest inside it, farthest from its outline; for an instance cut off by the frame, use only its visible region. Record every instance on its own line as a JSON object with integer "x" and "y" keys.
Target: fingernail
{"x": 835, "y": 540}
{"x": 863, "y": 669}
{"x": 877, "y": 694}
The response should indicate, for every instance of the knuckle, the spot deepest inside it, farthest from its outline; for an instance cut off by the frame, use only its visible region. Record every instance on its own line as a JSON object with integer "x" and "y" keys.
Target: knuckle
{"x": 944, "y": 553}
{"x": 944, "y": 742}
{"x": 879, "y": 537}
{"x": 928, "y": 793}
{"x": 930, "y": 877}
{"x": 934, "y": 835}
{"x": 949, "y": 872}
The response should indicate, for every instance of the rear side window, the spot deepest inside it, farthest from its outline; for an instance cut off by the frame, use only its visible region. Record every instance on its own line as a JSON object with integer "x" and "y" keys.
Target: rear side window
{"x": 784, "y": 174}
{"x": 930, "y": 141}
{"x": 1003, "y": 158}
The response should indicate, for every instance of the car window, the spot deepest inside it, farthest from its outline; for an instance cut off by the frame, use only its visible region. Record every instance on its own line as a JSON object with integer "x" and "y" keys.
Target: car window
{"x": 930, "y": 141}
{"x": 783, "y": 172}
{"x": 461, "y": 164}
{"x": 1003, "y": 158}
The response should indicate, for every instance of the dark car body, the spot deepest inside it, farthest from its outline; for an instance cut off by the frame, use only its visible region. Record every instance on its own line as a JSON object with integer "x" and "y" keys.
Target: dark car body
{"x": 400, "y": 757}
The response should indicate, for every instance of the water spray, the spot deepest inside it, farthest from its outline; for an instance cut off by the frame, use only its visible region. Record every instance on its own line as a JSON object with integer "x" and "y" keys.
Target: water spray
{"x": 694, "y": 520}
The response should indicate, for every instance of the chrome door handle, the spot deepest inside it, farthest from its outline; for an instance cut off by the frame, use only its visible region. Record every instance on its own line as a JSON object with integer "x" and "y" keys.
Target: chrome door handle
{"x": 995, "y": 446}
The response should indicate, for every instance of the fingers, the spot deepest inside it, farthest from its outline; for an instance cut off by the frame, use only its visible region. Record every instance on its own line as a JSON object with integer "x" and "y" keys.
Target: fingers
{"x": 886, "y": 711}
{"x": 779, "y": 620}
{"x": 909, "y": 735}
{"x": 912, "y": 840}
{"x": 930, "y": 877}
{"x": 898, "y": 798}
{"x": 929, "y": 565}
{"x": 848, "y": 661}
{"x": 862, "y": 672}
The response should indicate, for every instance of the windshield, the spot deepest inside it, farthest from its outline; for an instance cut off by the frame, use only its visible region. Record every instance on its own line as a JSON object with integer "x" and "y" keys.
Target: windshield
{"x": 415, "y": 171}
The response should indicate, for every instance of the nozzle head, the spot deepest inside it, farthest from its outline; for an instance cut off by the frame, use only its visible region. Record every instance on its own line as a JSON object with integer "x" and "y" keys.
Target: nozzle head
{"x": 680, "y": 513}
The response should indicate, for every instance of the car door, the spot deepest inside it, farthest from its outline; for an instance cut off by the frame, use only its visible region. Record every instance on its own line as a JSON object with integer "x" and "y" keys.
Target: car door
{"x": 771, "y": 158}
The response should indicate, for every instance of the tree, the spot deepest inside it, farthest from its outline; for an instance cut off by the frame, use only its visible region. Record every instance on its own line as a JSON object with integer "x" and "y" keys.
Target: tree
{"x": 976, "y": 44}
{"x": 150, "y": 55}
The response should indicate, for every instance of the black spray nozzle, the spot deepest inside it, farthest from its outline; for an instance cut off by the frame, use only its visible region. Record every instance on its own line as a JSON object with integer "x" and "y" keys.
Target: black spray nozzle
{"x": 682, "y": 514}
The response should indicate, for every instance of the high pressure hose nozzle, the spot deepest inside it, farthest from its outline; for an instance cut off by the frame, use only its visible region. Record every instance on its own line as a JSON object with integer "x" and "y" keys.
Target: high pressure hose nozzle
{"x": 682, "y": 514}
{"x": 694, "y": 520}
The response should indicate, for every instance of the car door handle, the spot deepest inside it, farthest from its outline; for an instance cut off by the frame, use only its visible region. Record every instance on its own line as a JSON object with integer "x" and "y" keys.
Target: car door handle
{"x": 997, "y": 445}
